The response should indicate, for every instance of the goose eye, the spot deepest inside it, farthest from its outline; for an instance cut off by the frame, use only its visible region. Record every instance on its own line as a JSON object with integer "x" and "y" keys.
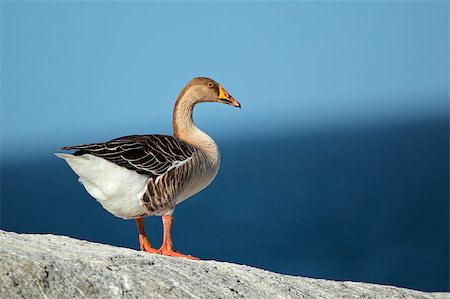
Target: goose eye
{"x": 210, "y": 84}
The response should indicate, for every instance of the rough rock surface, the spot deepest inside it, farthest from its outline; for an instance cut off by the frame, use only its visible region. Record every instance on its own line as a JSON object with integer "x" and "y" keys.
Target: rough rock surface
{"x": 48, "y": 266}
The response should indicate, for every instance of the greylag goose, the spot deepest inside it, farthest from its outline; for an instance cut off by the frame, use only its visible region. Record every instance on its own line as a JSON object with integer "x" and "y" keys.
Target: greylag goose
{"x": 148, "y": 175}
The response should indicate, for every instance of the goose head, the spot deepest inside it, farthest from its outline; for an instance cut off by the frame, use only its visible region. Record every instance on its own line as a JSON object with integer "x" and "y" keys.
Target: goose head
{"x": 201, "y": 89}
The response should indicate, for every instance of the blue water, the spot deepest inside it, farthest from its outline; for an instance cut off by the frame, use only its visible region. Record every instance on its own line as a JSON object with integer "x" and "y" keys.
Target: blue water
{"x": 364, "y": 204}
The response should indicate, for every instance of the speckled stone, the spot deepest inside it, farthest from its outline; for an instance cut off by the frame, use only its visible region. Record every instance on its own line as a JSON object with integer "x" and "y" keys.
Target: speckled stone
{"x": 49, "y": 266}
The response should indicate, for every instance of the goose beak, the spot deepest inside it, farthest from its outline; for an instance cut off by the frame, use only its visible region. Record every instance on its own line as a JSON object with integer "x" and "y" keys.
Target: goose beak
{"x": 224, "y": 97}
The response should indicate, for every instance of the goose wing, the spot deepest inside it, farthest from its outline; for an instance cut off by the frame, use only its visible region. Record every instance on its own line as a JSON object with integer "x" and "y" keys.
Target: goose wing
{"x": 152, "y": 155}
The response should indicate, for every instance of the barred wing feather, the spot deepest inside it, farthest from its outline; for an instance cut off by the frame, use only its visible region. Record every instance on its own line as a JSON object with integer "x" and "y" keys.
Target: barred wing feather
{"x": 152, "y": 155}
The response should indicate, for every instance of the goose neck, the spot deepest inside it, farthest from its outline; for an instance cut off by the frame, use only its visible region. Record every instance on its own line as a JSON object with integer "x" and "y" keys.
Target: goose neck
{"x": 186, "y": 130}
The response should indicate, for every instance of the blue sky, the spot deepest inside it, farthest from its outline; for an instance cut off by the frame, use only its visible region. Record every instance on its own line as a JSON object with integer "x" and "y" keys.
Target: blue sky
{"x": 79, "y": 72}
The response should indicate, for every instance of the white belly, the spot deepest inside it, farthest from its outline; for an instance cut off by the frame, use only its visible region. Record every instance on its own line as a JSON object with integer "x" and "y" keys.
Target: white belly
{"x": 116, "y": 188}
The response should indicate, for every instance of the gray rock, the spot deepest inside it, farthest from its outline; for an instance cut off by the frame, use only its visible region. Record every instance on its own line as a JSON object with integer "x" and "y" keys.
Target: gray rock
{"x": 48, "y": 266}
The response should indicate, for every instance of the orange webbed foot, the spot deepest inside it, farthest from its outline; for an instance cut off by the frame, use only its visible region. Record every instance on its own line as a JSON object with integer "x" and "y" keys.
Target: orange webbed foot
{"x": 170, "y": 252}
{"x": 167, "y": 247}
{"x": 145, "y": 245}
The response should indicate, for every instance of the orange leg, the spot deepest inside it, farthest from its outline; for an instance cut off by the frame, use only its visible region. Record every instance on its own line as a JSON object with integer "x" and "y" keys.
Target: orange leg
{"x": 167, "y": 247}
{"x": 143, "y": 241}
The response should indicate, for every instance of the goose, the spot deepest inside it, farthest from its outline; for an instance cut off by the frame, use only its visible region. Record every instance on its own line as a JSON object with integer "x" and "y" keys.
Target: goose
{"x": 148, "y": 175}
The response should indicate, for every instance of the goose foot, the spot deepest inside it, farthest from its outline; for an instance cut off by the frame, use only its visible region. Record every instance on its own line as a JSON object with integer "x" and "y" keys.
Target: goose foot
{"x": 145, "y": 245}
{"x": 167, "y": 247}
{"x": 170, "y": 252}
